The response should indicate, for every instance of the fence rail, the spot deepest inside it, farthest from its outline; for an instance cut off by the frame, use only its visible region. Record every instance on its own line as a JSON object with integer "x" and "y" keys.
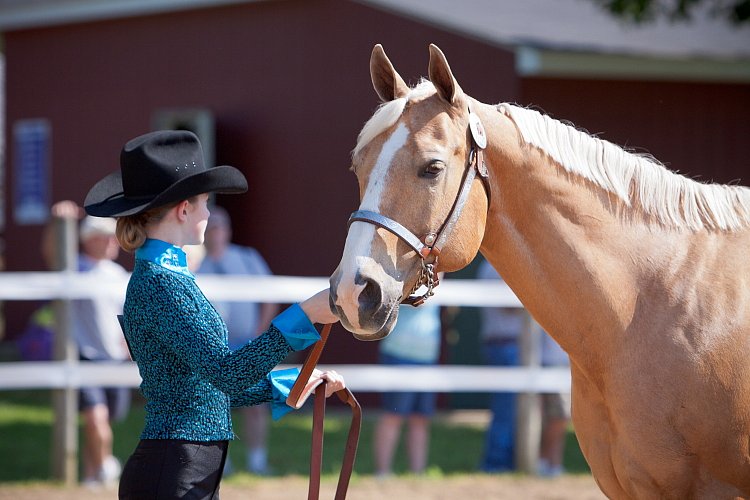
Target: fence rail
{"x": 276, "y": 289}
{"x": 360, "y": 377}
{"x": 67, "y": 375}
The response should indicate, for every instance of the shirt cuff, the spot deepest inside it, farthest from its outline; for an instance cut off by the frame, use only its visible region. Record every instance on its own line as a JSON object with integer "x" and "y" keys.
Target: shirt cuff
{"x": 296, "y": 328}
{"x": 281, "y": 383}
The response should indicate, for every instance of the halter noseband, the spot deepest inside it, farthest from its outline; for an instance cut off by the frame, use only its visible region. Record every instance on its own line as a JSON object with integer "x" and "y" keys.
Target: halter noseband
{"x": 433, "y": 243}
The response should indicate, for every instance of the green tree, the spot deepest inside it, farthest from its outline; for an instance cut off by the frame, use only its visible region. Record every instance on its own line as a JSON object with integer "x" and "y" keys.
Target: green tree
{"x": 738, "y": 11}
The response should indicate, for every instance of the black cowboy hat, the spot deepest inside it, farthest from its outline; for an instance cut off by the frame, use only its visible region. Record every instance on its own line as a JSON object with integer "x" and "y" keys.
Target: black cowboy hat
{"x": 156, "y": 169}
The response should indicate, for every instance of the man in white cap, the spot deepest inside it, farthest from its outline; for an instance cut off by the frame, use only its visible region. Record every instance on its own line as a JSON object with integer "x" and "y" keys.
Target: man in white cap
{"x": 99, "y": 338}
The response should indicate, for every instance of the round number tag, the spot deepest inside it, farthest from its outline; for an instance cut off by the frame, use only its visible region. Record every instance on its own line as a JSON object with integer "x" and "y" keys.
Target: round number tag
{"x": 477, "y": 131}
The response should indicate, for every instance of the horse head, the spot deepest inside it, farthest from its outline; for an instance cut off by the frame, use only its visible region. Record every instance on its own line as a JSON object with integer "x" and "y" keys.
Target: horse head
{"x": 411, "y": 161}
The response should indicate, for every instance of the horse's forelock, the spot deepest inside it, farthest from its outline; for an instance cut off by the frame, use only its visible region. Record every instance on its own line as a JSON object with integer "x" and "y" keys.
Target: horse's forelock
{"x": 388, "y": 114}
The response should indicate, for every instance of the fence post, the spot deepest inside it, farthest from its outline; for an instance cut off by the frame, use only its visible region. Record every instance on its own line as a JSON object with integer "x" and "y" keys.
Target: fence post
{"x": 65, "y": 400}
{"x": 528, "y": 407}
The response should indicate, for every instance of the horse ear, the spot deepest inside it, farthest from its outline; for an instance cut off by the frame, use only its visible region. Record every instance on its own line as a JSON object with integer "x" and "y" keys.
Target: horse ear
{"x": 387, "y": 82}
{"x": 441, "y": 75}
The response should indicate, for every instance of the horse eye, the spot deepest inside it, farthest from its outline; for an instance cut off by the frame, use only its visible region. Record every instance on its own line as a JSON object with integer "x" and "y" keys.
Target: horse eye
{"x": 433, "y": 169}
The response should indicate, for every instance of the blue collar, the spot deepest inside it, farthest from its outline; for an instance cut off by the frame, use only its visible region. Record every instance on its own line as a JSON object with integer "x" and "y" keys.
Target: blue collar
{"x": 165, "y": 255}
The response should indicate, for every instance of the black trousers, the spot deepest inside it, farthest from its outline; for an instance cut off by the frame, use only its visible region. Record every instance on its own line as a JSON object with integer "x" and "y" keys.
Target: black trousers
{"x": 169, "y": 468}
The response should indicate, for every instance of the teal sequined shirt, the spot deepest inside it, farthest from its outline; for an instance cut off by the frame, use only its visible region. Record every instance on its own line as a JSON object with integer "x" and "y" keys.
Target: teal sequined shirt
{"x": 191, "y": 378}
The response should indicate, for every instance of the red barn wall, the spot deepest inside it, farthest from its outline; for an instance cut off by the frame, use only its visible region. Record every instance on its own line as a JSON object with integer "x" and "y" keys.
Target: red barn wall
{"x": 288, "y": 84}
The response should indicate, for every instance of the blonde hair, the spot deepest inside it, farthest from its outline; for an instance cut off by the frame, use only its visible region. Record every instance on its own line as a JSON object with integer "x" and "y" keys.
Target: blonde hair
{"x": 131, "y": 229}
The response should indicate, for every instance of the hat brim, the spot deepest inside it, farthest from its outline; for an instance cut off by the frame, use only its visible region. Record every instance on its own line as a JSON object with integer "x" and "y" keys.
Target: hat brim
{"x": 107, "y": 198}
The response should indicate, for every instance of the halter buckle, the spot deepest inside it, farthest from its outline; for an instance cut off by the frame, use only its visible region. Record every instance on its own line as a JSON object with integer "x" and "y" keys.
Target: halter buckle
{"x": 482, "y": 168}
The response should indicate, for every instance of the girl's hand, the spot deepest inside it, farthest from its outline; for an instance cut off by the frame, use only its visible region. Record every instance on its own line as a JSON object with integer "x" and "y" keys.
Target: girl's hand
{"x": 318, "y": 309}
{"x": 334, "y": 381}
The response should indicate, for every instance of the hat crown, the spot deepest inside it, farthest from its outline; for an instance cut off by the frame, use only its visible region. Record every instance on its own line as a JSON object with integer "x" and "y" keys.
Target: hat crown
{"x": 157, "y": 169}
{"x": 152, "y": 162}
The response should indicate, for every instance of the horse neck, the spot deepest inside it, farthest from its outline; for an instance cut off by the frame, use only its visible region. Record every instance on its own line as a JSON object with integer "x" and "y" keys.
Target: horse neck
{"x": 558, "y": 243}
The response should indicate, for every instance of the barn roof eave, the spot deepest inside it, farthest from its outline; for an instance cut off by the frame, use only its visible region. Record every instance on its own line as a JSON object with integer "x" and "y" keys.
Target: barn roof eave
{"x": 25, "y": 14}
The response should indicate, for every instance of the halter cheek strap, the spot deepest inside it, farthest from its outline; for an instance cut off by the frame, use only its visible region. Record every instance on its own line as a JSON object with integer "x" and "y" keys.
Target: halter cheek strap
{"x": 476, "y": 166}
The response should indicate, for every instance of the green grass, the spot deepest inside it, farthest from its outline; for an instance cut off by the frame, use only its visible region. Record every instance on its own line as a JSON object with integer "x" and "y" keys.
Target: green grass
{"x": 26, "y": 419}
{"x": 25, "y": 436}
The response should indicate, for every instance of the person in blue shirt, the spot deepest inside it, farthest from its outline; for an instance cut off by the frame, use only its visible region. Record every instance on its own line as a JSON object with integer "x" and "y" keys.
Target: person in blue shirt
{"x": 191, "y": 378}
{"x": 414, "y": 341}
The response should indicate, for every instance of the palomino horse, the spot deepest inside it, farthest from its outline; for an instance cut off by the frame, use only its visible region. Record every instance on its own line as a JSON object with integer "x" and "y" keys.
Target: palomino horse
{"x": 641, "y": 275}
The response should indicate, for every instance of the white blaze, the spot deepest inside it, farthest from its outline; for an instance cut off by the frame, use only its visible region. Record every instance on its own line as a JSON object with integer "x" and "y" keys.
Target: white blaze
{"x": 359, "y": 240}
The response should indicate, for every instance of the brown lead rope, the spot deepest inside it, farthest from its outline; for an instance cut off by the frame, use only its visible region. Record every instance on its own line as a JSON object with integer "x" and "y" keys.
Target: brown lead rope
{"x": 316, "y": 451}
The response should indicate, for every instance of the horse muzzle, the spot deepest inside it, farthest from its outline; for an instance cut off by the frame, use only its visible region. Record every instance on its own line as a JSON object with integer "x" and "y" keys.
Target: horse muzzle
{"x": 366, "y": 304}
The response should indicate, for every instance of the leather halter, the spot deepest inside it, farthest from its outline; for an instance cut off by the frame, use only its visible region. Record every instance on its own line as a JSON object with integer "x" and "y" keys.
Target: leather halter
{"x": 432, "y": 244}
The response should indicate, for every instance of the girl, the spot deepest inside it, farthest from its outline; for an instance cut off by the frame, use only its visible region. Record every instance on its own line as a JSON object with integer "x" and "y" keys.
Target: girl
{"x": 191, "y": 379}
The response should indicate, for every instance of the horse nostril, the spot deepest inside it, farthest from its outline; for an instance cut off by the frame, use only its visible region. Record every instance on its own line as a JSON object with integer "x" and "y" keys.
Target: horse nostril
{"x": 370, "y": 297}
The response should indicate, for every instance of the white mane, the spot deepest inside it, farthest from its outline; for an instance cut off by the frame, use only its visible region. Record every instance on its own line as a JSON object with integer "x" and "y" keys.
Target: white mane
{"x": 673, "y": 199}
{"x": 388, "y": 113}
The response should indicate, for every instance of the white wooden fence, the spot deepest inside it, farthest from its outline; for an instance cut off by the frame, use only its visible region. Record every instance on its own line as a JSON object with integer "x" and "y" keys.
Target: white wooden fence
{"x": 69, "y": 374}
